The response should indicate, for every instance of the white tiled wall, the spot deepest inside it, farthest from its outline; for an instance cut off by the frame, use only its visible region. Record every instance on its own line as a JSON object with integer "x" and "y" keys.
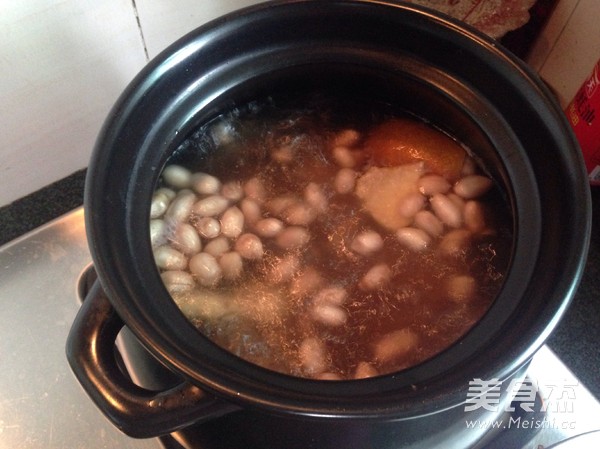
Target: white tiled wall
{"x": 164, "y": 21}
{"x": 64, "y": 62}
{"x": 62, "y": 65}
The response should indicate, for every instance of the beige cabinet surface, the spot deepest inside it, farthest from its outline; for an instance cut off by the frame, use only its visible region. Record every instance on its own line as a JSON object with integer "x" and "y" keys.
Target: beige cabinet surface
{"x": 569, "y": 46}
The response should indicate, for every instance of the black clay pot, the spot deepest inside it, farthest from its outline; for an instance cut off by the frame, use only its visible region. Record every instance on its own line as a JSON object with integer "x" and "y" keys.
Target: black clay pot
{"x": 427, "y": 64}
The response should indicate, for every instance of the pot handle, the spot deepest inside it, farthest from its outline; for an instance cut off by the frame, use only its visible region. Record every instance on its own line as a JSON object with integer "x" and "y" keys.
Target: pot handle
{"x": 136, "y": 411}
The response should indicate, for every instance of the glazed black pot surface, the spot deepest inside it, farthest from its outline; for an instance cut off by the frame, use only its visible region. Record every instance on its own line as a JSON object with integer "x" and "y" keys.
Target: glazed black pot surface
{"x": 424, "y": 63}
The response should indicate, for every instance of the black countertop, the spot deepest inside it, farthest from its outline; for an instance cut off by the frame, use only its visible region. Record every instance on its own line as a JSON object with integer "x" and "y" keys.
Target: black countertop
{"x": 576, "y": 339}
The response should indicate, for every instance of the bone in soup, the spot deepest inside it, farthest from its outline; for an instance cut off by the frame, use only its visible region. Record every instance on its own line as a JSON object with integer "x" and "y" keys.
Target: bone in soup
{"x": 329, "y": 243}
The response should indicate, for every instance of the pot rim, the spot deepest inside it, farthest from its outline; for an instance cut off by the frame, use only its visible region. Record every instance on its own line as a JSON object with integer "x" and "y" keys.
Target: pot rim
{"x": 113, "y": 209}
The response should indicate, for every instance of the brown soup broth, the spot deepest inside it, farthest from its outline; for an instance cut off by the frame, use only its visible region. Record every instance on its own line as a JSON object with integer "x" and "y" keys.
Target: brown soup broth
{"x": 308, "y": 308}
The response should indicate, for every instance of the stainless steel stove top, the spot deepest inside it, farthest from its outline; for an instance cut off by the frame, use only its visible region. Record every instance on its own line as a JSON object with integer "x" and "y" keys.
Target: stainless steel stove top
{"x": 43, "y": 406}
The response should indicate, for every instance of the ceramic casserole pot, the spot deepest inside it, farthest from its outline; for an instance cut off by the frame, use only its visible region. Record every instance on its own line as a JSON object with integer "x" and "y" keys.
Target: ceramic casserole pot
{"x": 425, "y": 63}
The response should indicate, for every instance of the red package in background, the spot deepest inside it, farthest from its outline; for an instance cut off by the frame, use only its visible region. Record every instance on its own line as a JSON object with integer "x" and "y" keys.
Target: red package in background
{"x": 583, "y": 114}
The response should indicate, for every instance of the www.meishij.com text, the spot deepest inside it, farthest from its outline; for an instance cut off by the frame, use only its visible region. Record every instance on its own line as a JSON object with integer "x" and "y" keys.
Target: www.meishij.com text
{"x": 521, "y": 423}
{"x": 534, "y": 402}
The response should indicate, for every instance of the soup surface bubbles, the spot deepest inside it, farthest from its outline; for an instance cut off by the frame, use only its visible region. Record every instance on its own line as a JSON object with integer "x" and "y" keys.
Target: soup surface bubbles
{"x": 326, "y": 244}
